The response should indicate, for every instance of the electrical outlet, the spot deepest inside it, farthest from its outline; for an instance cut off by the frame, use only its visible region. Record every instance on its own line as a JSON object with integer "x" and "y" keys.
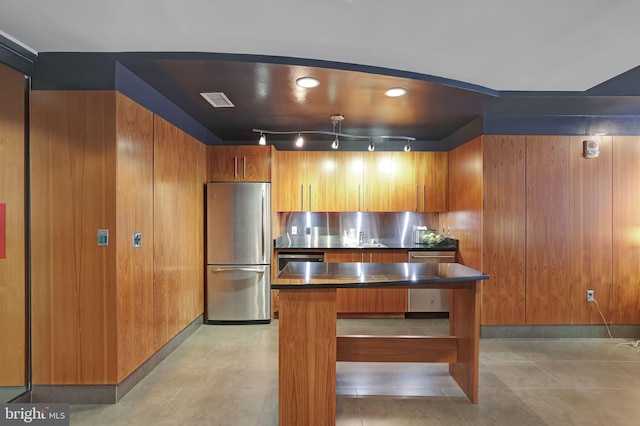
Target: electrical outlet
{"x": 294, "y": 230}
{"x": 589, "y": 295}
{"x": 307, "y": 230}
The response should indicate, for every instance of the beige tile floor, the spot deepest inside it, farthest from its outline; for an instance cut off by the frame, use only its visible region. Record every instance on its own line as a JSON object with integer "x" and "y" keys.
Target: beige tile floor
{"x": 227, "y": 376}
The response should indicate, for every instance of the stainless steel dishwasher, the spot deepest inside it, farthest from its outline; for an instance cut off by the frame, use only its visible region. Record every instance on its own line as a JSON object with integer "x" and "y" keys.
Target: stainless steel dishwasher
{"x": 430, "y": 300}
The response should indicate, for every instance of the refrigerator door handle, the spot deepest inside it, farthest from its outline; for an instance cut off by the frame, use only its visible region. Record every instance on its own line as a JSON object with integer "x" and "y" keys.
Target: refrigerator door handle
{"x": 258, "y": 271}
{"x": 263, "y": 237}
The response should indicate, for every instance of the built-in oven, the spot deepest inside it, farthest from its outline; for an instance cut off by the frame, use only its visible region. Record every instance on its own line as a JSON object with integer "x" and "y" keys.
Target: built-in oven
{"x": 286, "y": 257}
{"x": 430, "y": 300}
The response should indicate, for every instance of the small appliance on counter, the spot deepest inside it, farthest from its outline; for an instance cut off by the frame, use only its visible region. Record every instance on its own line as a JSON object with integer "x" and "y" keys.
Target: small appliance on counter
{"x": 238, "y": 253}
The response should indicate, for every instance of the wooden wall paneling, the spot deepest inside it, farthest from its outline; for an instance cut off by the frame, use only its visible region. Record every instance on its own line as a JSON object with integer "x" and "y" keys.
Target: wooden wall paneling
{"x": 73, "y": 194}
{"x": 591, "y": 233}
{"x": 465, "y": 201}
{"x": 12, "y": 194}
{"x": 626, "y": 223}
{"x": 177, "y": 284}
{"x": 548, "y": 225}
{"x": 134, "y": 192}
{"x": 503, "y": 295}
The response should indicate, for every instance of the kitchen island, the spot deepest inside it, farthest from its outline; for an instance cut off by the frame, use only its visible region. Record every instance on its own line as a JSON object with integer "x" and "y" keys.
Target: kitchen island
{"x": 309, "y": 347}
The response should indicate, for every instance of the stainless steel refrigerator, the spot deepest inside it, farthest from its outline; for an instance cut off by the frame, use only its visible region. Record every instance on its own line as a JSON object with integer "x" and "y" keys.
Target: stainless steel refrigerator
{"x": 238, "y": 253}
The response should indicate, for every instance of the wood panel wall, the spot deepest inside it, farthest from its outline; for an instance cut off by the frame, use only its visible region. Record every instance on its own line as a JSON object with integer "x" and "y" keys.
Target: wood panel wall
{"x": 179, "y": 178}
{"x": 12, "y": 194}
{"x": 503, "y": 295}
{"x": 626, "y": 228}
{"x": 548, "y": 224}
{"x": 73, "y": 163}
{"x": 465, "y": 201}
{"x": 591, "y": 236}
{"x": 134, "y": 199}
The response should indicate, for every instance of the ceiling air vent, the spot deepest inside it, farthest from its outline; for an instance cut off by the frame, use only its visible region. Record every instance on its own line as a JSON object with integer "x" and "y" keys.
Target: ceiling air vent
{"x": 217, "y": 99}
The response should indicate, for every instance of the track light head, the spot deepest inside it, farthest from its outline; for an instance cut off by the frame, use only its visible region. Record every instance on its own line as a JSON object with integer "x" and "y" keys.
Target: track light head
{"x": 371, "y": 147}
{"x": 407, "y": 147}
{"x": 262, "y": 140}
{"x": 335, "y": 143}
{"x": 300, "y": 140}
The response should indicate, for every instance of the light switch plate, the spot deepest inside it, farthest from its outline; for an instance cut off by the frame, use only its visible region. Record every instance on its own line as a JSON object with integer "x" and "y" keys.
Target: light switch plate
{"x": 136, "y": 239}
{"x": 103, "y": 237}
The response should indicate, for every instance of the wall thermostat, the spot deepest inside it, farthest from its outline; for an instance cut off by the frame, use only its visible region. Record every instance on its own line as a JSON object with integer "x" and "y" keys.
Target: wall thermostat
{"x": 591, "y": 149}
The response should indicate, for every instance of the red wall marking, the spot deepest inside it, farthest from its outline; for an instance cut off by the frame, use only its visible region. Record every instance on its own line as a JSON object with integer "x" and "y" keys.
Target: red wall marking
{"x": 3, "y": 230}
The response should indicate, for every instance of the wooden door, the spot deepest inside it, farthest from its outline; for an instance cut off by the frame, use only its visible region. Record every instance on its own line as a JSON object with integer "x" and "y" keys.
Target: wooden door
{"x": 348, "y": 181}
{"x": 254, "y": 163}
{"x": 321, "y": 187}
{"x": 626, "y": 245}
{"x": 503, "y": 295}
{"x": 289, "y": 181}
{"x": 389, "y": 182}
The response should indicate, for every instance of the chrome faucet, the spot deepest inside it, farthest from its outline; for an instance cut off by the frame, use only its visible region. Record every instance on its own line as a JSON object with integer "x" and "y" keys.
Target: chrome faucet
{"x": 361, "y": 239}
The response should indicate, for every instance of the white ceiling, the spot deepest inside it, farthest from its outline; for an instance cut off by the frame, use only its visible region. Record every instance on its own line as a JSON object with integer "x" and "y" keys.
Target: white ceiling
{"x": 542, "y": 45}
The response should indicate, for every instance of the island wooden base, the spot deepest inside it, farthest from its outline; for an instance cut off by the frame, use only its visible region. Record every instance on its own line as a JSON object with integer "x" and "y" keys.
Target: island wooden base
{"x": 309, "y": 349}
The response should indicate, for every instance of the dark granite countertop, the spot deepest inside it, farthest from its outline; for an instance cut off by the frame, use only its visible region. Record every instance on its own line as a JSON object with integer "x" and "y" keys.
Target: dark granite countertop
{"x": 301, "y": 275}
{"x": 335, "y": 242}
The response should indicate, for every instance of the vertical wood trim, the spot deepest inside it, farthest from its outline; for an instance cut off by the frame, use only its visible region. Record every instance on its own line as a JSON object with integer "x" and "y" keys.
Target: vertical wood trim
{"x": 626, "y": 225}
{"x": 12, "y": 195}
{"x": 503, "y": 295}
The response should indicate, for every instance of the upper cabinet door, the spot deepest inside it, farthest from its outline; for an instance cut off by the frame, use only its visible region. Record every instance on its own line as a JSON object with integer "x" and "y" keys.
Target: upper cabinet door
{"x": 431, "y": 176}
{"x": 289, "y": 181}
{"x": 389, "y": 182}
{"x": 239, "y": 163}
{"x": 320, "y": 191}
{"x": 349, "y": 181}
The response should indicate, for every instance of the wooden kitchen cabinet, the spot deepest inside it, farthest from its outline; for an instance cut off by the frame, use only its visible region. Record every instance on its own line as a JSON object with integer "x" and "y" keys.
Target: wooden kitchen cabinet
{"x": 243, "y": 163}
{"x": 370, "y": 300}
{"x": 289, "y": 179}
{"x": 389, "y": 182}
{"x": 431, "y": 177}
{"x": 349, "y": 181}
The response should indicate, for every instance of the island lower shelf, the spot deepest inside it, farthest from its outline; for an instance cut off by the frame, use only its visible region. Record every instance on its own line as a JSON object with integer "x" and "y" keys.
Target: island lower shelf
{"x": 309, "y": 347}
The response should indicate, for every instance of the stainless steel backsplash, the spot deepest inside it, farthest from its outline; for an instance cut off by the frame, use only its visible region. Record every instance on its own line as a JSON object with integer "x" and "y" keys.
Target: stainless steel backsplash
{"x": 376, "y": 226}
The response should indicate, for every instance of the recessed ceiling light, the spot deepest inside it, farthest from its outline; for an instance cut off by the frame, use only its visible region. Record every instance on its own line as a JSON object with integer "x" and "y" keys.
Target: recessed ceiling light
{"x": 307, "y": 82}
{"x": 394, "y": 92}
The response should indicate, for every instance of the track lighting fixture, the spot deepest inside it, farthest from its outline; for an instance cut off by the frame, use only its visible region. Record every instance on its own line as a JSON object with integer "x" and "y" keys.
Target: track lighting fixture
{"x": 262, "y": 140}
{"x": 335, "y": 143}
{"x": 336, "y": 121}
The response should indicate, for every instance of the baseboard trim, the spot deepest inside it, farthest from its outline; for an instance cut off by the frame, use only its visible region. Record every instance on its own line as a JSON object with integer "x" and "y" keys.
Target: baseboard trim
{"x": 628, "y": 331}
{"x": 110, "y": 394}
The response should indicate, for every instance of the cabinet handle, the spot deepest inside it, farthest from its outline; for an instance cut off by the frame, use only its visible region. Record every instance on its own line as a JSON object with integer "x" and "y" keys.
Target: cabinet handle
{"x": 310, "y": 197}
{"x": 424, "y": 198}
{"x": 367, "y": 197}
{"x": 235, "y": 167}
{"x": 301, "y": 198}
{"x": 359, "y": 197}
{"x": 417, "y": 202}
{"x": 244, "y": 167}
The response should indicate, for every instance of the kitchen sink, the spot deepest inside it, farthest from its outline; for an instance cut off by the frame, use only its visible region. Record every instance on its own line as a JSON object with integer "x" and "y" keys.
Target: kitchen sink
{"x": 364, "y": 245}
